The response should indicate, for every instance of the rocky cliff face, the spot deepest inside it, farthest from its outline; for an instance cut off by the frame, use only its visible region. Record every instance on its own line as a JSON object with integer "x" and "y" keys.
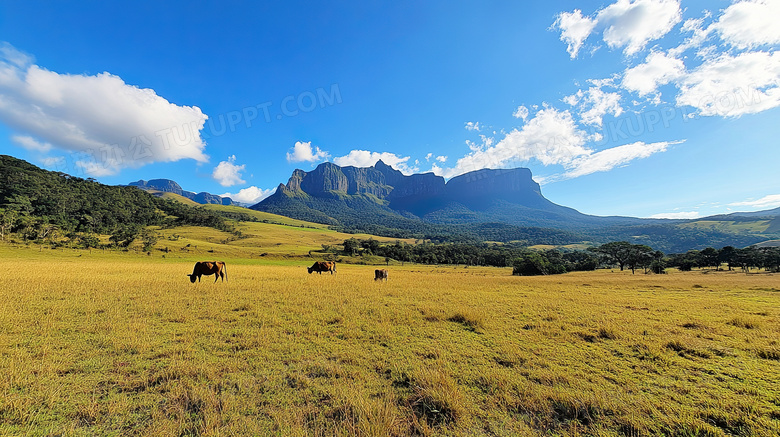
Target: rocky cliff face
{"x": 169, "y": 186}
{"x": 417, "y": 193}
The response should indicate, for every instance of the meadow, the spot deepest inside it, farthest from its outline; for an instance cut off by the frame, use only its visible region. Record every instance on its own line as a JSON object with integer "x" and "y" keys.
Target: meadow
{"x": 123, "y": 344}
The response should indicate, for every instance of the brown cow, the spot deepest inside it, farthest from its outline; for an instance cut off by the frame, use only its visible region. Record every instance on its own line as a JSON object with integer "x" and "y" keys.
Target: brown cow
{"x": 323, "y": 266}
{"x": 380, "y": 274}
{"x": 216, "y": 268}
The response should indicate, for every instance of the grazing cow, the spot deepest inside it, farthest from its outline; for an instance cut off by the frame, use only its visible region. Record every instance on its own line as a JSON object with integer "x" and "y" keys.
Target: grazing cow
{"x": 323, "y": 266}
{"x": 216, "y": 268}
{"x": 380, "y": 274}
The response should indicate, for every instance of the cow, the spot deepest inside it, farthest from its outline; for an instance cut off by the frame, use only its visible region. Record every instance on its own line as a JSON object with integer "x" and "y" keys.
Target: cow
{"x": 216, "y": 268}
{"x": 380, "y": 274}
{"x": 323, "y": 266}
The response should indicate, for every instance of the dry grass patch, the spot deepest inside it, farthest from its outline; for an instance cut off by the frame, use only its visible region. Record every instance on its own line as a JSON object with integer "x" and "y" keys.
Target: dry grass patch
{"x": 90, "y": 347}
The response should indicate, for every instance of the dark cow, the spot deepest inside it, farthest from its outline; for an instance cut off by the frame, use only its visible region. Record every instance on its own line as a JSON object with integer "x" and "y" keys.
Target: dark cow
{"x": 323, "y": 266}
{"x": 380, "y": 274}
{"x": 216, "y": 268}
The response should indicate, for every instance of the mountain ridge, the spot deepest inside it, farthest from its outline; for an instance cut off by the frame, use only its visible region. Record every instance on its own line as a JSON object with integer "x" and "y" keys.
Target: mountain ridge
{"x": 486, "y": 195}
{"x": 170, "y": 186}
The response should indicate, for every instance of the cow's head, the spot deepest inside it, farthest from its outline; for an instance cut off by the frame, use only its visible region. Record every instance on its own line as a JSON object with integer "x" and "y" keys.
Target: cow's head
{"x": 192, "y": 278}
{"x": 309, "y": 269}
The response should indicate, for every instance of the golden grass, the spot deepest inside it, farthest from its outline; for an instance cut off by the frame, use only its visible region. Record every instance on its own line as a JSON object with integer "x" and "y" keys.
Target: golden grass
{"x": 260, "y": 240}
{"x": 94, "y": 344}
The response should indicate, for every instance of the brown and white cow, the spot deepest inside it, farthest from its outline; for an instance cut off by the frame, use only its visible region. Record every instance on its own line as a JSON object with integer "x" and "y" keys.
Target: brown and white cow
{"x": 216, "y": 268}
{"x": 323, "y": 266}
{"x": 380, "y": 274}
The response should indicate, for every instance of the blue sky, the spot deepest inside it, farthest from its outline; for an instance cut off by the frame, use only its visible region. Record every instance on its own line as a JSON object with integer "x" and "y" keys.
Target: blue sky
{"x": 627, "y": 107}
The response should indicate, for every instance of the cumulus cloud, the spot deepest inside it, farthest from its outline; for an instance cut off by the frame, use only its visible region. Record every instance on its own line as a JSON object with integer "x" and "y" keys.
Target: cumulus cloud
{"x": 634, "y": 23}
{"x": 470, "y": 125}
{"x": 365, "y": 158}
{"x": 31, "y": 143}
{"x": 551, "y": 137}
{"x": 594, "y": 103}
{"x": 520, "y": 112}
{"x": 227, "y": 173}
{"x": 628, "y": 24}
{"x": 730, "y": 86}
{"x": 575, "y": 29}
{"x": 303, "y": 152}
{"x": 750, "y": 23}
{"x": 117, "y": 124}
{"x": 682, "y": 215}
{"x": 608, "y": 159}
{"x": 658, "y": 69}
{"x": 250, "y": 195}
{"x": 770, "y": 201}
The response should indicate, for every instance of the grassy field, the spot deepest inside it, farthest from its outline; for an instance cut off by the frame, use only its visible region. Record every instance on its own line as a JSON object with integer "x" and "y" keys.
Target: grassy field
{"x": 122, "y": 344}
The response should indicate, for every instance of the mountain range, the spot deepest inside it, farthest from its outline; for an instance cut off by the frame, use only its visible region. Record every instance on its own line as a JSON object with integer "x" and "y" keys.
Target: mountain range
{"x": 496, "y": 205}
{"x": 169, "y": 186}
{"x": 509, "y": 196}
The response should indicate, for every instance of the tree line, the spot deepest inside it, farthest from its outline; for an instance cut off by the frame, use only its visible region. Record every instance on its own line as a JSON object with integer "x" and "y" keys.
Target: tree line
{"x": 524, "y": 261}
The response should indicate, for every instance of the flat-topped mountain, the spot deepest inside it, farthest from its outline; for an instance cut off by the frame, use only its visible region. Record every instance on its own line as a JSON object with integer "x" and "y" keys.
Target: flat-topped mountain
{"x": 509, "y": 196}
{"x": 169, "y": 186}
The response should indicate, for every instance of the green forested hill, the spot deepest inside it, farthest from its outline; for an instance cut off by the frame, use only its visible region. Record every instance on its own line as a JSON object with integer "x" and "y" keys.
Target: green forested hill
{"x": 33, "y": 199}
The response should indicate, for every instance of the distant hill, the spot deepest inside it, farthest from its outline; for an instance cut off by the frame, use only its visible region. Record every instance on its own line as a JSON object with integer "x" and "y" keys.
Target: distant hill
{"x": 33, "y": 200}
{"x": 169, "y": 186}
{"x": 497, "y": 205}
{"x": 503, "y": 206}
{"x": 505, "y": 196}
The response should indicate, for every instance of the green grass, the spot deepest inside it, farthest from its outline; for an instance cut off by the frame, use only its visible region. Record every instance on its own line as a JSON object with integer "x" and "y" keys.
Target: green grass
{"x": 122, "y": 344}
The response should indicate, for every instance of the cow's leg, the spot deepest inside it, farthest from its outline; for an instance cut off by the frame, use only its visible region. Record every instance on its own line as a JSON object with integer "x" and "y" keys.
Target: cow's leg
{"x": 216, "y": 277}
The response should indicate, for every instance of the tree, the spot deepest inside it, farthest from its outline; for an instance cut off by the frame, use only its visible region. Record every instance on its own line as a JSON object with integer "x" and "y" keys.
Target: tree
{"x": 710, "y": 257}
{"x": 640, "y": 256}
{"x": 726, "y": 255}
{"x": 351, "y": 246}
{"x": 7, "y": 221}
{"x": 124, "y": 236}
{"x": 149, "y": 239}
{"x": 89, "y": 240}
{"x": 618, "y": 252}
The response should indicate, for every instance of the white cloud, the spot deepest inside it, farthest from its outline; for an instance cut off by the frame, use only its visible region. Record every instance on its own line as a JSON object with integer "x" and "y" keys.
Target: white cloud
{"x": 441, "y": 158}
{"x": 682, "y": 215}
{"x": 766, "y": 202}
{"x": 699, "y": 34}
{"x": 658, "y": 69}
{"x": 250, "y": 195}
{"x": 303, "y": 152}
{"x": 634, "y": 23}
{"x": 575, "y": 29}
{"x": 730, "y": 86}
{"x": 31, "y": 143}
{"x": 428, "y": 156}
{"x": 551, "y": 137}
{"x": 120, "y": 125}
{"x": 520, "y": 112}
{"x": 470, "y": 125}
{"x": 227, "y": 173}
{"x": 608, "y": 159}
{"x": 750, "y": 23}
{"x": 365, "y": 158}
{"x": 627, "y": 23}
{"x": 594, "y": 103}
